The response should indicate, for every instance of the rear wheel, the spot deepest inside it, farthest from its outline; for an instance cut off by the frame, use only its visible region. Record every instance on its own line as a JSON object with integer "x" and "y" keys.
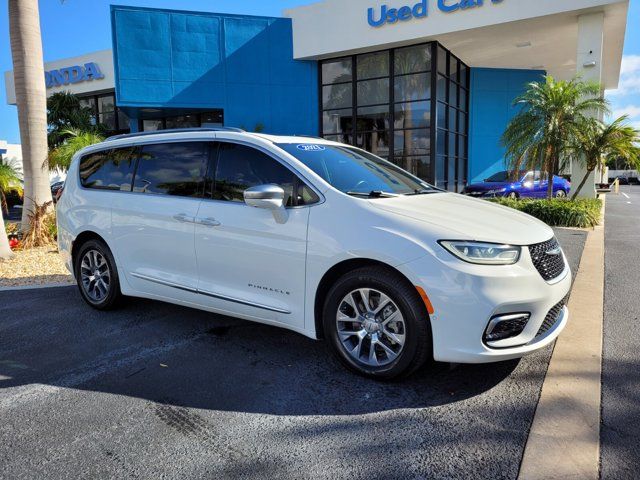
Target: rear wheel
{"x": 377, "y": 324}
{"x": 97, "y": 276}
{"x": 561, "y": 194}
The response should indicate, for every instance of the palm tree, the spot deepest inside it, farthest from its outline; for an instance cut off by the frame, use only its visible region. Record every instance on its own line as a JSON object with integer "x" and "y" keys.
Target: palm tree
{"x": 60, "y": 157}
{"x": 596, "y": 142}
{"x": 9, "y": 180}
{"x": 552, "y": 113}
{"x": 31, "y": 98}
{"x": 65, "y": 112}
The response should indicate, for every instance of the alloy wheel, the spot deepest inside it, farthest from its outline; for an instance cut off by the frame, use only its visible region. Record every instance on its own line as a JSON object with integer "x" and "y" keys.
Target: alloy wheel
{"x": 371, "y": 327}
{"x": 95, "y": 275}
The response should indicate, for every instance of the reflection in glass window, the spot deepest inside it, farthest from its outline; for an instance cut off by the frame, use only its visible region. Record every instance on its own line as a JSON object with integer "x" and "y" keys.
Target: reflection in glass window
{"x": 172, "y": 169}
{"x": 337, "y": 96}
{"x": 413, "y": 115}
{"x": 108, "y": 170}
{"x": 337, "y": 71}
{"x": 412, "y": 142}
{"x": 413, "y": 59}
{"x": 372, "y": 92}
{"x": 240, "y": 167}
{"x": 183, "y": 121}
{"x": 337, "y": 121}
{"x": 373, "y": 65}
{"x": 373, "y": 118}
{"x": 412, "y": 87}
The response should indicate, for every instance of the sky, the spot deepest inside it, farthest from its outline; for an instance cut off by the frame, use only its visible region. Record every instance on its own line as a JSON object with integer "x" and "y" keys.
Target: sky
{"x": 75, "y": 27}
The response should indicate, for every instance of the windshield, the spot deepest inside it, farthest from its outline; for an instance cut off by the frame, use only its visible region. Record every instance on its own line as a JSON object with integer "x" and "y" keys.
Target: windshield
{"x": 503, "y": 177}
{"x": 355, "y": 171}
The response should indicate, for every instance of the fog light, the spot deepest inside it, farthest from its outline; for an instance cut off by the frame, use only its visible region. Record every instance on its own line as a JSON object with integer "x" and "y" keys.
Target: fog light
{"x": 502, "y": 327}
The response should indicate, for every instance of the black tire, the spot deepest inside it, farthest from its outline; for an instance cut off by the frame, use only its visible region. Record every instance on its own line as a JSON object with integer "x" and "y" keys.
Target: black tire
{"x": 513, "y": 196}
{"x": 113, "y": 296}
{"x": 418, "y": 344}
{"x": 561, "y": 194}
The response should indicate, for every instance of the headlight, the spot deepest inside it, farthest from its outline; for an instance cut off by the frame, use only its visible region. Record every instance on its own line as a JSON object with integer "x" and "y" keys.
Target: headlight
{"x": 483, "y": 253}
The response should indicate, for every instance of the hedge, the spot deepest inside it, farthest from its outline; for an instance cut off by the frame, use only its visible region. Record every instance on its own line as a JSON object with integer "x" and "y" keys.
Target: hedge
{"x": 580, "y": 213}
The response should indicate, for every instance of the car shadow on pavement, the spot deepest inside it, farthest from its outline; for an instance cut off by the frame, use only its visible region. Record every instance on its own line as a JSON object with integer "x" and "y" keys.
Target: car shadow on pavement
{"x": 188, "y": 358}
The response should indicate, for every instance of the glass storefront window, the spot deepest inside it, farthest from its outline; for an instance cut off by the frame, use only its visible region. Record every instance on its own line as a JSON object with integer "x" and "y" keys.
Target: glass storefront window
{"x": 412, "y": 87}
{"x": 396, "y": 103}
{"x": 337, "y": 96}
{"x": 336, "y": 71}
{"x": 412, "y": 115}
{"x": 372, "y": 92}
{"x": 373, "y": 118}
{"x": 151, "y": 125}
{"x": 412, "y": 142}
{"x": 183, "y": 121}
{"x": 373, "y": 65}
{"x": 337, "y": 121}
{"x": 412, "y": 59}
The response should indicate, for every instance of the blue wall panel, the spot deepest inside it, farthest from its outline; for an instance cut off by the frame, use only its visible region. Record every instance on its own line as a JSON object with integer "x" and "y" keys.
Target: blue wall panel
{"x": 492, "y": 94}
{"x": 242, "y": 64}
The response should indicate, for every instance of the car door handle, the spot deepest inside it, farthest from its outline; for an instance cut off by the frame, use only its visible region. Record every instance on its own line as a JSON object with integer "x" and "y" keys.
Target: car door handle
{"x": 183, "y": 218}
{"x": 209, "y": 222}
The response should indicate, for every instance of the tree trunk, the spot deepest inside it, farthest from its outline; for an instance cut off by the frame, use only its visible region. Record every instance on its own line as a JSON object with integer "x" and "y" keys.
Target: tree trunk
{"x": 31, "y": 98}
{"x": 582, "y": 184}
{"x": 5, "y": 251}
{"x": 550, "y": 175}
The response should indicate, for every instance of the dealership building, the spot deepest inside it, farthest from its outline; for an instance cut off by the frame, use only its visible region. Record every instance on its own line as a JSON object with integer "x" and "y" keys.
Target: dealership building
{"x": 428, "y": 85}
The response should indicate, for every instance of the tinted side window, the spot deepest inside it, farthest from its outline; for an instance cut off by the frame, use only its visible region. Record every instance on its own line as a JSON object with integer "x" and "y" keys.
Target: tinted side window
{"x": 240, "y": 167}
{"x": 108, "y": 170}
{"x": 172, "y": 169}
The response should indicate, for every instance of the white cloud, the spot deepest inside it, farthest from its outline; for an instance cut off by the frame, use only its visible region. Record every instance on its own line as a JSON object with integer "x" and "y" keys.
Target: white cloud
{"x": 629, "y": 77}
{"x": 632, "y": 111}
{"x": 630, "y": 64}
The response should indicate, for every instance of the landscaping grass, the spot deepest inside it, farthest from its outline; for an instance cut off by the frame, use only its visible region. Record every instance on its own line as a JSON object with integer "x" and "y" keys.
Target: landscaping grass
{"x": 581, "y": 213}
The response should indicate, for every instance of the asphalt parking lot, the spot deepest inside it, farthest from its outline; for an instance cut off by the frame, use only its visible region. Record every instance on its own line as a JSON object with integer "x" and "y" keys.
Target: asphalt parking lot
{"x": 159, "y": 391}
{"x": 620, "y": 436}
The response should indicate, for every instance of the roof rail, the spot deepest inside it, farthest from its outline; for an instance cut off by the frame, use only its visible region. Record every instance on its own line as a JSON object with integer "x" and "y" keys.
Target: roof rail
{"x": 175, "y": 130}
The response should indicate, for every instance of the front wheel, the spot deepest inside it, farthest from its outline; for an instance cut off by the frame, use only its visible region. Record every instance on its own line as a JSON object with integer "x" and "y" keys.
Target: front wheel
{"x": 512, "y": 196}
{"x": 376, "y": 323}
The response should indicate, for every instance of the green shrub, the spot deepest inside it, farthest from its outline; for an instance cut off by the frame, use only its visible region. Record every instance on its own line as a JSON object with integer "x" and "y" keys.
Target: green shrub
{"x": 580, "y": 213}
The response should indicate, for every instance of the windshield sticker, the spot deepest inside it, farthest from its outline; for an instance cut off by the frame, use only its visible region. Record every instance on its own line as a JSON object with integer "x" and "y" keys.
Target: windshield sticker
{"x": 311, "y": 147}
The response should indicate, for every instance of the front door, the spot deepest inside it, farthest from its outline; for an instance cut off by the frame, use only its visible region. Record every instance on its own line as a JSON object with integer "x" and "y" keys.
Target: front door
{"x": 248, "y": 263}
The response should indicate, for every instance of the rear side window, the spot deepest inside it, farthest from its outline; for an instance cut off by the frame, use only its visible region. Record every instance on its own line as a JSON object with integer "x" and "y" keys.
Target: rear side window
{"x": 172, "y": 169}
{"x": 240, "y": 167}
{"x": 108, "y": 170}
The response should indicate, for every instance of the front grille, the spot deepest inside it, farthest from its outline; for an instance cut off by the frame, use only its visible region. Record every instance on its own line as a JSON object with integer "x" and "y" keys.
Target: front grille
{"x": 552, "y": 318}
{"x": 548, "y": 259}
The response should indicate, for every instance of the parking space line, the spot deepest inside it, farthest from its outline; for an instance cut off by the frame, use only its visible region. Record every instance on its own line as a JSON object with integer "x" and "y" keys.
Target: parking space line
{"x": 626, "y": 195}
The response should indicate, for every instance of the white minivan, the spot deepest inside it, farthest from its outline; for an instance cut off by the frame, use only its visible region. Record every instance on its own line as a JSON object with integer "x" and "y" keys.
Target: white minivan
{"x": 314, "y": 236}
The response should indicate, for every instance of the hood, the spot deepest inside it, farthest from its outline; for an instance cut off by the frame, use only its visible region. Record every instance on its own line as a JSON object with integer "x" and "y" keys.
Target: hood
{"x": 463, "y": 218}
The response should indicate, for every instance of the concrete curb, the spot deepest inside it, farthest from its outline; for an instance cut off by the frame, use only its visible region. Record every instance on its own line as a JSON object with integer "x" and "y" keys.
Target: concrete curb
{"x": 564, "y": 441}
{"x": 35, "y": 287}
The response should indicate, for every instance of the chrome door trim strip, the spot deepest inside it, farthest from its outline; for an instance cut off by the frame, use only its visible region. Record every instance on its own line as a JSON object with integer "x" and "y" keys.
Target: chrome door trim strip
{"x": 243, "y": 302}
{"x": 209, "y": 294}
{"x": 164, "y": 282}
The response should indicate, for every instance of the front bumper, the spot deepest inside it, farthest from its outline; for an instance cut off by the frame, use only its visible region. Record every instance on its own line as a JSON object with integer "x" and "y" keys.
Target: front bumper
{"x": 465, "y": 297}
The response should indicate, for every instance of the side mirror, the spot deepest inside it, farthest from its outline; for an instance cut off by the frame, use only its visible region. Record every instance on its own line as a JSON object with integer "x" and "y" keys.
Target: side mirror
{"x": 268, "y": 197}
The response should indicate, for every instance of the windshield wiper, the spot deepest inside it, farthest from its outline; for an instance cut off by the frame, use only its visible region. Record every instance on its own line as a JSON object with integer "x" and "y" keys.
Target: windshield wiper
{"x": 422, "y": 192}
{"x": 373, "y": 194}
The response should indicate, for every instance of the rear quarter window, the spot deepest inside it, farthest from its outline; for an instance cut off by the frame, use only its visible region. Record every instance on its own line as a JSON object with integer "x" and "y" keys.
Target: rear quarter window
{"x": 108, "y": 170}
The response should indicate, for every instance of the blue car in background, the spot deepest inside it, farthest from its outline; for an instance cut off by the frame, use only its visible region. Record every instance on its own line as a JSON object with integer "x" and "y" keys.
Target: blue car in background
{"x": 526, "y": 185}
